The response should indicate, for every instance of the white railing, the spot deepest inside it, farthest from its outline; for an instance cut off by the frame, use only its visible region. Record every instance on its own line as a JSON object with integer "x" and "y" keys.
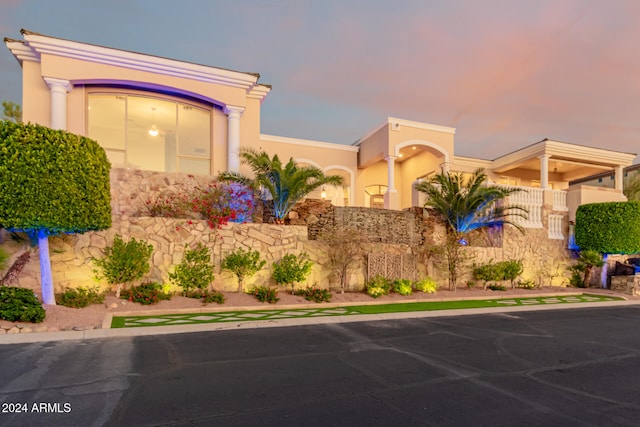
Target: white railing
{"x": 525, "y": 195}
{"x": 530, "y": 199}
{"x": 560, "y": 200}
{"x": 556, "y": 226}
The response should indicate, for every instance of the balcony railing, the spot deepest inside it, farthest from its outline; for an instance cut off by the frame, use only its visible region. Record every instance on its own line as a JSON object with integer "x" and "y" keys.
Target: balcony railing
{"x": 560, "y": 200}
{"x": 556, "y": 226}
{"x": 529, "y": 198}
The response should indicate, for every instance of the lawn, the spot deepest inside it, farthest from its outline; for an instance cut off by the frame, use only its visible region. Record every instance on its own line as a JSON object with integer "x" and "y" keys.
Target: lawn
{"x": 277, "y": 314}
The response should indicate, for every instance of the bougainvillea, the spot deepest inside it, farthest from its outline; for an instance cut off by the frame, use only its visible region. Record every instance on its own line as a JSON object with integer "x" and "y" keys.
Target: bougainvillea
{"x": 216, "y": 203}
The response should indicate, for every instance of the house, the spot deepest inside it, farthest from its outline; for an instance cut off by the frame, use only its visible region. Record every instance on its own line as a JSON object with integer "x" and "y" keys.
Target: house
{"x": 606, "y": 179}
{"x": 160, "y": 114}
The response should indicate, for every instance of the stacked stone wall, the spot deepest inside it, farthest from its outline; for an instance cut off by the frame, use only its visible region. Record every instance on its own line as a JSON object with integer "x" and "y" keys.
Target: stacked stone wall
{"x": 416, "y": 233}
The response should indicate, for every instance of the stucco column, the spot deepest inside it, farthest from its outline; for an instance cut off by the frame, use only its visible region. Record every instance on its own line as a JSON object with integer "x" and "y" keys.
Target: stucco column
{"x": 391, "y": 195}
{"x": 619, "y": 178}
{"x": 445, "y": 167}
{"x": 59, "y": 89}
{"x": 233, "y": 137}
{"x": 544, "y": 171}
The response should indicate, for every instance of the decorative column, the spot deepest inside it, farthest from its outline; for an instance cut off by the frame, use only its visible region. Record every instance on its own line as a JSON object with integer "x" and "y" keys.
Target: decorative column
{"x": 233, "y": 137}
{"x": 391, "y": 195}
{"x": 445, "y": 167}
{"x": 544, "y": 171}
{"x": 59, "y": 89}
{"x": 619, "y": 178}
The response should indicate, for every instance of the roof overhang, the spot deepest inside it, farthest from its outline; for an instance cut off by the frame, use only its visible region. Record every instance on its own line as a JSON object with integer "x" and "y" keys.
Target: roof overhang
{"x": 563, "y": 151}
{"x": 35, "y": 45}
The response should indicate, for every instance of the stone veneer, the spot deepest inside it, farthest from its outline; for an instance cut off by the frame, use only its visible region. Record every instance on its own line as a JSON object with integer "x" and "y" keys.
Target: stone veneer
{"x": 627, "y": 284}
{"x": 413, "y": 232}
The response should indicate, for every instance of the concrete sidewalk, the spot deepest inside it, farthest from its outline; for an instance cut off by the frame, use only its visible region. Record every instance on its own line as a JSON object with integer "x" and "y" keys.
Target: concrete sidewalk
{"x": 107, "y": 332}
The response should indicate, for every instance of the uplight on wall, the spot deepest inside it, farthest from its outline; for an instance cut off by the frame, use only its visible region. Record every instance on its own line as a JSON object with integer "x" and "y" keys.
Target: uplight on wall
{"x": 323, "y": 195}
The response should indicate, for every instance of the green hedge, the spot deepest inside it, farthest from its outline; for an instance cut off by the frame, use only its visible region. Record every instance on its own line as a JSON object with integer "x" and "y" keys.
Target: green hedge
{"x": 52, "y": 180}
{"x": 610, "y": 228}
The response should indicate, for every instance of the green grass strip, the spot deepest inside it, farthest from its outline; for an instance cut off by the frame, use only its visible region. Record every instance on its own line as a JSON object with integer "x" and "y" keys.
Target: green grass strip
{"x": 261, "y": 315}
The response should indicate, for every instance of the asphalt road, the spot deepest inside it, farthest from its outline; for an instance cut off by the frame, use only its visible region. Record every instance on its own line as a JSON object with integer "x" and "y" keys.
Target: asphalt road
{"x": 576, "y": 367}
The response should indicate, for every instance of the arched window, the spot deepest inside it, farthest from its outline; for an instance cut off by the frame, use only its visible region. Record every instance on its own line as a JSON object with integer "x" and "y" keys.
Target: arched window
{"x": 374, "y": 196}
{"x": 151, "y": 133}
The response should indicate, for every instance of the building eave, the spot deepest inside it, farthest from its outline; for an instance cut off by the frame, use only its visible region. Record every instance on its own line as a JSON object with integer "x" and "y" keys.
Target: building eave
{"x": 564, "y": 150}
{"x": 308, "y": 143}
{"x": 395, "y": 123}
{"x": 35, "y": 45}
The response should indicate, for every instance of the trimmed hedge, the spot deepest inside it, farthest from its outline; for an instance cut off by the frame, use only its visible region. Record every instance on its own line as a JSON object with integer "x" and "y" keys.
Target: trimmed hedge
{"x": 20, "y": 305}
{"x": 52, "y": 180}
{"x": 610, "y": 228}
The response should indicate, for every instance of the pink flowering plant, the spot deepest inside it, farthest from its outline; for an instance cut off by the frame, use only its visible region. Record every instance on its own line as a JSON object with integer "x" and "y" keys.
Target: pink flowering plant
{"x": 217, "y": 203}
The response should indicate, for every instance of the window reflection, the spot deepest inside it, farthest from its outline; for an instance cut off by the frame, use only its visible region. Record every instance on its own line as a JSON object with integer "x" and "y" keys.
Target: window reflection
{"x": 151, "y": 133}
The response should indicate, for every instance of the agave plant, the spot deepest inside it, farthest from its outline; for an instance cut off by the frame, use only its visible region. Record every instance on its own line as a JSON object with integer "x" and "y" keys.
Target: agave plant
{"x": 286, "y": 184}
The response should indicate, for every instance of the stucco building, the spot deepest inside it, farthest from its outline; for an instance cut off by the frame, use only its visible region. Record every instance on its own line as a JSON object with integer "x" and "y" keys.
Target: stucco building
{"x": 165, "y": 115}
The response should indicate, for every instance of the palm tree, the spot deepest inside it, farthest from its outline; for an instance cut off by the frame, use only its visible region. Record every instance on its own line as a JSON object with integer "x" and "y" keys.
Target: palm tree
{"x": 632, "y": 186}
{"x": 467, "y": 205}
{"x": 285, "y": 184}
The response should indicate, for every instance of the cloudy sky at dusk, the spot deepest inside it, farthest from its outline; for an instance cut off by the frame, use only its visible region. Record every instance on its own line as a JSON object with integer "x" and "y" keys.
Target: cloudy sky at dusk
{"x": 504, "y": 73}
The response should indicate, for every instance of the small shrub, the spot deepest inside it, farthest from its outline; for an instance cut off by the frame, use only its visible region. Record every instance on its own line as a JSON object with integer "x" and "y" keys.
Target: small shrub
{"x": 146, "y": 293}
{"x": 526, "y": 284}
{"x": 291, "y": 269}
{"x": 402, "y": 287}
{"x": 195, "y": 272}
{"x": 243, "y": 264}
{"x": 489, "y": 272}
{"x": 510, "y": 270}
{"x": 123, "y": 262}
{"x": 20, "y": 305}
{"x": 211, "y": 297}
{"x": 80, "y": 297}
{"x": 426, "y": 285}
{"x": 496, "y": 287}
{"x": 265, "y": 294}
{"x": 194, "y": 293}
{"x": 576, "y": 280}
{"x": 315, "y": 294}
{"x": 495, "y": 272}
{"x": 378, "y": 286}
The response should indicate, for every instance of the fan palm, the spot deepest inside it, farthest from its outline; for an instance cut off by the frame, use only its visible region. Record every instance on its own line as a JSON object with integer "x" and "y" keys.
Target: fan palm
{"x": 467, "y": 205}
{"x": 286, "y": 184}
{"x": 632, "y": 186}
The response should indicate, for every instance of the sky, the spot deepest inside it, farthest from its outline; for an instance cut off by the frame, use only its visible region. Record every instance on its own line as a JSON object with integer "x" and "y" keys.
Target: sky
{"x": 504, "y": 73}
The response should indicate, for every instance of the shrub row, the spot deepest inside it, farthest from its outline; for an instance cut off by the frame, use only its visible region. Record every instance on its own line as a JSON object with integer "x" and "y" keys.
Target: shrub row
{"x": 380, "y": 285}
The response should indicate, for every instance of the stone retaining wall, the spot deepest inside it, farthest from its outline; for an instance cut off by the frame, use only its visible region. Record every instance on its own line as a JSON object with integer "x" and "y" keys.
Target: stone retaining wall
{"x": 415, "y": 232}
{"x": 627, "y": 284}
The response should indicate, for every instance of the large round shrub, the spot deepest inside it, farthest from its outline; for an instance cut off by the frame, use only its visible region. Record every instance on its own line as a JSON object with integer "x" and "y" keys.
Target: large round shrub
{"x": 609, "y": 228}
{"x": 51, "y": 182}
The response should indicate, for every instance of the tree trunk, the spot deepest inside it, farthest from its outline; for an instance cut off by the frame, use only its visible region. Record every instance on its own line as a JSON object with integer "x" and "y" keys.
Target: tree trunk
{"x": 16, "y": 268}
{"x": 586, "y": 280}
{"x": 605, "y": 270}
{"x": 343, "y": 280}
{"x": 46, "y": 278}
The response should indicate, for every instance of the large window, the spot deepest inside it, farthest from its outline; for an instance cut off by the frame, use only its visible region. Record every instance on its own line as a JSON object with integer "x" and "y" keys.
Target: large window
{"x": 149, "y": 133}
